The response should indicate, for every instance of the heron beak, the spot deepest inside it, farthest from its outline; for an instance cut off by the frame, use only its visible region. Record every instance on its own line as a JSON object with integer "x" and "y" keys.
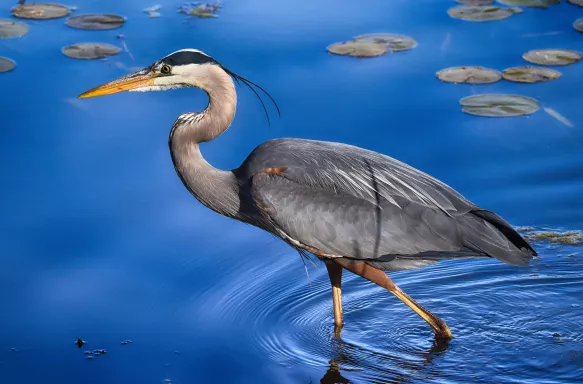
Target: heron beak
{"x": 136, "y": 80}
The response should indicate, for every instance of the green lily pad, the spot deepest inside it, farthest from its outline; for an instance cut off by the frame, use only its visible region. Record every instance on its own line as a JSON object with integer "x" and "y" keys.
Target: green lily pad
{"x": 475, "y": 2}
{"x": 469, "y": 75}
{"x": 40, "y": 11}
{"x": 479, "y": 12}
{"x": 529, "y": 74}
{"x": 530, "y": 3}
{"x": 499, "y": 105}
{"x": 358, "y": 49}
{"x": 10, "y": 28}
{"x": 90, "y": 51}
{"x": 394, "y": 42}
{"x": 96, "y": 21}
{"x": 201, "y": 10}
{"x": 552, "y": 57}
{"x": 6, "y": 64}
{"x": 578, "y": 25}
{"x": 576, "y": 2}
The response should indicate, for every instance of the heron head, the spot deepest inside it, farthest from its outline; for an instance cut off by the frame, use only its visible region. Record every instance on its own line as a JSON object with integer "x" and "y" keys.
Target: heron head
{"x": 183, "y": 68}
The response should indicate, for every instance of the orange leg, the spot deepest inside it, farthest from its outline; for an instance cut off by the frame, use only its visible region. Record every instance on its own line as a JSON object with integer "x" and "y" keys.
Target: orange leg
{"x": 380, "y": 278}
{"x": 335, "y": 274}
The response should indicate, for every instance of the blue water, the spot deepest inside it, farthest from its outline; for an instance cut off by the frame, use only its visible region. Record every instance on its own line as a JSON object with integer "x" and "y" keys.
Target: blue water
{"x": 100, "y": 240}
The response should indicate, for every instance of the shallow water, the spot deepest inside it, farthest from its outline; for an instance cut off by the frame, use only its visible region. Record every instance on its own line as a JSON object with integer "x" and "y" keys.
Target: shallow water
{"x": 100, "y": 240}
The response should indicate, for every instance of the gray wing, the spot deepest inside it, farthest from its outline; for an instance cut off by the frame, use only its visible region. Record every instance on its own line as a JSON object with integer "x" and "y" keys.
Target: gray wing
{"x": 351, "y": 202}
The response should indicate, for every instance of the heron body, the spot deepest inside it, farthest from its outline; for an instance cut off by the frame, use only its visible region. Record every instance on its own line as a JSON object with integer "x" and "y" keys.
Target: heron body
{"x": 353, "y": 208}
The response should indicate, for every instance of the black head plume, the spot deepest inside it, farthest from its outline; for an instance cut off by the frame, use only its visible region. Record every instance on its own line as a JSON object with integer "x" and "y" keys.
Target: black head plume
{"x": 250, "y": 84}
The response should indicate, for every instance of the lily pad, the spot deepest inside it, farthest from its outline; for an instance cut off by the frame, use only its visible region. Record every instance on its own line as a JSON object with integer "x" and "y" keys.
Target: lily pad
{"x": 6, "y": 64}
{"x": 578, "y": 25}
{"x": 202, "y": 10}
{"x": 358, "y": 49}
{"x": 40, "y": 11}
{"x": 498, "y": 105}
{"x": 469, "y": 75}
{"x": 530, "y": 3}
{"x": 552, "y": 57}
{"x": 394, "y": 42}
{"x": 479, "y": 12}
{"x": 96, "y": 21}
{"x": 475, "y": 2}
{"x": 529, "y": 74}
{"x": 90, "y": 51}
{"x": 576, "y": 2}
{"x": 10, "y": 28}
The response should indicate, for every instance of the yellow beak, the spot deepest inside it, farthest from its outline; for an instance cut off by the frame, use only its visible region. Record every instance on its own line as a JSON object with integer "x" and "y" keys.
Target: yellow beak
{"x": 125, "y": 83}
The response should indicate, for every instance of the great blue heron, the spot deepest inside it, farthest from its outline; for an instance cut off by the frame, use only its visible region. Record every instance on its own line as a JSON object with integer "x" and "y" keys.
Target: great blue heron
{"x": 351, "y": 207}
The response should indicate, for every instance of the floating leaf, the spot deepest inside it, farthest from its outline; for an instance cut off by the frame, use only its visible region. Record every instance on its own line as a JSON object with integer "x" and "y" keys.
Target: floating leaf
{"x": 499, "y": 105}
{"x": 9, "y": 28}
{"x": 394, "y": 42}
{"x": 530, "y": 3}
{"x": 40, "y": 11}
{"x": 529, "y": 74}
{"x": 578, "y": 24}
{"x": 576, "y": 2}
{"x": 96, "y": 21}
{"x": 469, "y": 75}
{"x": 6, "y": 64}
{"x": 90, "y": 50}
{"x": 475, "y": 2}
{"x": 358, "y": 49}
{"x": 479, "y": 12}
{"x": 558, "y": 116}
{"x": 202, "y": 10}
{"x": 552, "y": 56}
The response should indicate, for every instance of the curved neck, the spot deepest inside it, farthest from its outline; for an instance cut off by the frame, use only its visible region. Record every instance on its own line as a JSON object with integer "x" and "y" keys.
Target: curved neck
{"x": 214, "y": 188}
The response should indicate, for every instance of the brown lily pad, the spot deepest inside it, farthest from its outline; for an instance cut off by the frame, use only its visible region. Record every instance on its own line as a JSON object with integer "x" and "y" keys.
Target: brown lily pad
{"x": 40, "y": 11}
{"x": 6, "y": 64}
{"x": 469, "y": 75}
{"x": 499, "y": 105}
{"x": 576, "y": 2}
{"x": 578, "y": 25}
{"x": 358, "y": 49}
{"x": 394, "y": 42}
{"x": 475, "y": 2}
{"x": 96, "y": 21}
{"x": 552, "y": 57}
{"x": 10, "y": 28}
{"x": 90, "y": 51}
{"x": 530, "y": 3}
{"x": 529, "y": 74}
{"x": 480, "y": 12}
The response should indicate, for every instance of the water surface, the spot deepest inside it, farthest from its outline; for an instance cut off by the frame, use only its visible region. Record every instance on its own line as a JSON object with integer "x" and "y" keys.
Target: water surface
{"x": 100, "y": 240}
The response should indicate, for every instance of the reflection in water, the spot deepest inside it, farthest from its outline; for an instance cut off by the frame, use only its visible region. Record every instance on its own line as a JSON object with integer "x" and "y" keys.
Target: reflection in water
{"x": 349, "y": 355}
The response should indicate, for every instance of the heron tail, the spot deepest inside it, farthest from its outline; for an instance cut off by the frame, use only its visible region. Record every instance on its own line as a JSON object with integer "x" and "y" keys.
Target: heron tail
{"x": 484, "y": 231}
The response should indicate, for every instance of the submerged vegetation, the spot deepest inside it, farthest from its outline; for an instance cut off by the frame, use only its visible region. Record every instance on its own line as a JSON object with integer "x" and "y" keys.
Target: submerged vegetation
{"x": 556, "y": 237}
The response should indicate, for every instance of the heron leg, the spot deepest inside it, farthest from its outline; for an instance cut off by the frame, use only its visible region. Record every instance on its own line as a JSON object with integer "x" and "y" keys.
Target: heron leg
{"x": 335, "y": 274}
{"x": 380, "y": 278}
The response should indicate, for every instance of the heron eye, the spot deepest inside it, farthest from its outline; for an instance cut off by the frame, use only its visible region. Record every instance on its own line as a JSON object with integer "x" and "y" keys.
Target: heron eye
{"x": 165, "y": 69}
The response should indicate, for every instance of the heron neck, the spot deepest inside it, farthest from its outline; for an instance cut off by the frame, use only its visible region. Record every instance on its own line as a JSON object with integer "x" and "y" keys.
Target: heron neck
{"x": 215, "y": 188}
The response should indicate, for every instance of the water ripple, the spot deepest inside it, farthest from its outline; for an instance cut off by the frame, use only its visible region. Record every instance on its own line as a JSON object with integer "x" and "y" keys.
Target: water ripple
{"x": 497, "y": 309}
